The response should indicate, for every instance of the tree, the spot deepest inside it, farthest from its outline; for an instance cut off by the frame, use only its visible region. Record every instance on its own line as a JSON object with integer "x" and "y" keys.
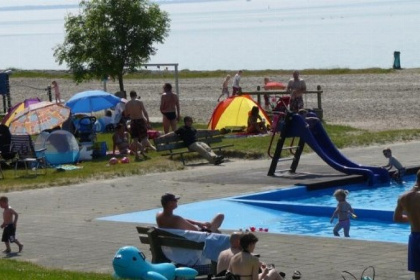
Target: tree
{"x": 111, "y": 37}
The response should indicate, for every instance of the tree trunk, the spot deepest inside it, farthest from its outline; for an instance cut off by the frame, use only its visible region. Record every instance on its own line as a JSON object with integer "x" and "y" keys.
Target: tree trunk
{"x": 120, "y": 81}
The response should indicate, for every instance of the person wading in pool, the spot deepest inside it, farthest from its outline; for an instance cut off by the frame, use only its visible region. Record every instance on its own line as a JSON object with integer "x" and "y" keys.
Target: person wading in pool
{"x": 408, "y": 211}
{"x": 167, "y": 219}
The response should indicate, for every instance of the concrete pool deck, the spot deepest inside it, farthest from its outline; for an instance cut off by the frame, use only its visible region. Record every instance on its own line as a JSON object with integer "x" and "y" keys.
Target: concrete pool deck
{"x": 59, "y": 229}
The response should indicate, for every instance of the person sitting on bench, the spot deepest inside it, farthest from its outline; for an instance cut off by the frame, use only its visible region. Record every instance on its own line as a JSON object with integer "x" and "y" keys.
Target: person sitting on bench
{"x": 167, "y": 219}
{"x": 188, "y": 134}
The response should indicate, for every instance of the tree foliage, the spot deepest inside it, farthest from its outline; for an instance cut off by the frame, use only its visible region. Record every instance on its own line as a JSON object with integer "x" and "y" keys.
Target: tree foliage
{"x": 111, "y": 37}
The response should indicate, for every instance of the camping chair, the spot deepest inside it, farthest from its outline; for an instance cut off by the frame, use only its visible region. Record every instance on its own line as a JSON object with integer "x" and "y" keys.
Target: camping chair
{"x": 23, "y": 147}
{"x": 5, "y": 137}
{"x": 86, "y": 129}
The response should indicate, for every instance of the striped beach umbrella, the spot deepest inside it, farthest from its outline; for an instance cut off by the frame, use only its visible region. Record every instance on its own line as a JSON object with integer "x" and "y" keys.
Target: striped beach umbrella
{"x": 39, "y": 117}
{"x": 13, "y": 111}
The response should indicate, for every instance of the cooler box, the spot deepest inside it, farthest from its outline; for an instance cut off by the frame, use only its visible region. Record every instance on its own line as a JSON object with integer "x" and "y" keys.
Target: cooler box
{"x": 99, "y": 149}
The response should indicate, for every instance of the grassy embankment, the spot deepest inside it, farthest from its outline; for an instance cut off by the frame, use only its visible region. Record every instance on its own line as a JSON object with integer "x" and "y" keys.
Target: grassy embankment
{"x": 244, "y": 148}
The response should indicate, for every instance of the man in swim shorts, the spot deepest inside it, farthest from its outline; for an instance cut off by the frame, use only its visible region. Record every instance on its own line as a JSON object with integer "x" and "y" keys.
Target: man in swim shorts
{"x": 296, "y": 87}
{"x": 169, "y": 107}
{"x": 134, "y": 109}
{"x": 408, "y": 211}
{"x": 167, "y": 219}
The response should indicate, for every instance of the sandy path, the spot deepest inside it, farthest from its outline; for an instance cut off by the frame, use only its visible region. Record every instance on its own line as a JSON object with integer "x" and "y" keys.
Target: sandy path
{"x": 369, "y": 101}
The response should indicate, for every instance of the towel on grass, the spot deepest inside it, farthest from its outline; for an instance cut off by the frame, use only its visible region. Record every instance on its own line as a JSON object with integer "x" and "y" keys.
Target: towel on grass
{"x": 67, "y": 167}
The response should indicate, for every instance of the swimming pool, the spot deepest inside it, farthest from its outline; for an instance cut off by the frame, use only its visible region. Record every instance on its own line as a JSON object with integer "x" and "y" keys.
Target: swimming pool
{"x": 295, "y": 210}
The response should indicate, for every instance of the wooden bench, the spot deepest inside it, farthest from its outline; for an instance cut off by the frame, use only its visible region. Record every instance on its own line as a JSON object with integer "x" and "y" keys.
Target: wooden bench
{"x": 174, "y": 142}
{"x": 157, "y": 238}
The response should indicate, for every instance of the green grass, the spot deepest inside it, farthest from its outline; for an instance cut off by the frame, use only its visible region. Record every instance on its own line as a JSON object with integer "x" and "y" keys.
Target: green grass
{"x": 183, "y": 74}
{"x": 18, "y": 270}
{"x": 244, "y": 148}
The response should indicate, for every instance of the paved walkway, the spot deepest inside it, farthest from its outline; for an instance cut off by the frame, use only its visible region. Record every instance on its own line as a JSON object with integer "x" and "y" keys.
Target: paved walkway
{"x": 59, "y": 229}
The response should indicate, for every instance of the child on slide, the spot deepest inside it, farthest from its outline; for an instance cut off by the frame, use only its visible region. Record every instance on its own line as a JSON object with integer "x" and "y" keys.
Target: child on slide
{"x": 399, "y": 172}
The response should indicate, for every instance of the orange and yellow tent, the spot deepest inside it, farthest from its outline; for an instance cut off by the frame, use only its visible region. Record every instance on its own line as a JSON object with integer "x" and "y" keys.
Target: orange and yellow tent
{"x": 233, "y": 112}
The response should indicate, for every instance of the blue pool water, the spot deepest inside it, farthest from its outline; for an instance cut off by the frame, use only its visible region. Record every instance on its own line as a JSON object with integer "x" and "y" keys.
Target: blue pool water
{"x": 298, "y": 211}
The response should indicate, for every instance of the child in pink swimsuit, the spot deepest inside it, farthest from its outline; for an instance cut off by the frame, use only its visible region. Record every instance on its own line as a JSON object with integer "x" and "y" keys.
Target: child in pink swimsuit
{"x": 342, "y": 211}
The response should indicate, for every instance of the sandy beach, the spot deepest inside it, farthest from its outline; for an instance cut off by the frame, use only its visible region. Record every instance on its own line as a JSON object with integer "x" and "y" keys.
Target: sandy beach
{"x": 368, "y": 101}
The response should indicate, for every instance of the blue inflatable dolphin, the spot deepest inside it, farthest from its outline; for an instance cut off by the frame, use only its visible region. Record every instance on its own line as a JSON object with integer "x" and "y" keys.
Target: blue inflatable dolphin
{"x": 130, "y": 263}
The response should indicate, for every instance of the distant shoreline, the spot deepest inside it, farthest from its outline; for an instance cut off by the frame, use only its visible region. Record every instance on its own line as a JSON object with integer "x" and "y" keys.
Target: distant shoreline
{"x": 145, "y": 73}
{"x": 372, "y": 101}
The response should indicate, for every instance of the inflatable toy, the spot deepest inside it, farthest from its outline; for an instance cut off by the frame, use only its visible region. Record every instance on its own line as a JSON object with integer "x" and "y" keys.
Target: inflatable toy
{"x": 130, "y": 263}
{"x": 125, "y": 160}
{"x": 274, "y": 86}
{"x": 113, "y": 161}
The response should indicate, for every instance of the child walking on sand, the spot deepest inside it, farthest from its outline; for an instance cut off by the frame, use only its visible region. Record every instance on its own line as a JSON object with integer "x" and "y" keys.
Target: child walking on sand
{"x": 10, "y": 218}
{"x": 225, "y": 88}
{"x": 398, "y": 174}
{"x": 342, "y": 211}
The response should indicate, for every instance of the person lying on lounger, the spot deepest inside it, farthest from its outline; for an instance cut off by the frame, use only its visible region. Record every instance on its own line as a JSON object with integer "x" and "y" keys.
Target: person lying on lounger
{"x": 167, "y": 219}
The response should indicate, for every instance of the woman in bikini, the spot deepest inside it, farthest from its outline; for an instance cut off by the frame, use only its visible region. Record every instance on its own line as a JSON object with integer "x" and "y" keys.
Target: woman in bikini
{"x": 256, "y": 124}
{"x": 169, "y": 107}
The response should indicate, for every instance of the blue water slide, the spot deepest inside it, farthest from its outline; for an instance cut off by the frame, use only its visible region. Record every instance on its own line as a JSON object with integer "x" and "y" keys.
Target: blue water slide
{"x": 314, "y": 134}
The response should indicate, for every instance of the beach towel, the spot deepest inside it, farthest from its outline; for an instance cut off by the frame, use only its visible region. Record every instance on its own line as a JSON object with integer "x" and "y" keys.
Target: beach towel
{"x": 214, "y": 243}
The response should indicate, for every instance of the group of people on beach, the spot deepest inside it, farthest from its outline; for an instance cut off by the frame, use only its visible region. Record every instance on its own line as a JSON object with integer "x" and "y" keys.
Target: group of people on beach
{"x": 296, "y": 87}
{"x": 138, "y": 117}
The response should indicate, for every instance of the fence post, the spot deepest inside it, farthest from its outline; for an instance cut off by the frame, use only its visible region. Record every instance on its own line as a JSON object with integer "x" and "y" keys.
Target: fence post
{"x": 49, "y": 93}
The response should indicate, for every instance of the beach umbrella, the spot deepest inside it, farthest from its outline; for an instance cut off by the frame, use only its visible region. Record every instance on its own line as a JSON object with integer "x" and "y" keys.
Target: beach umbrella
{"x": 92, "y": 101}
{"x": 18, "y": 108}
{"x": 38, "y": 117}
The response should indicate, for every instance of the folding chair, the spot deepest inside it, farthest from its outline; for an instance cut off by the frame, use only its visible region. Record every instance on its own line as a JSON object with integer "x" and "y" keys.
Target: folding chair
{"x": 32, "y": 159}
{"x": 5, "y": 137}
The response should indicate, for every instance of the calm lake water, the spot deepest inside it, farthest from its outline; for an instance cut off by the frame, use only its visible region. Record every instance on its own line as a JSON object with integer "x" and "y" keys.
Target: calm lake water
{"x": 234, "y": 34}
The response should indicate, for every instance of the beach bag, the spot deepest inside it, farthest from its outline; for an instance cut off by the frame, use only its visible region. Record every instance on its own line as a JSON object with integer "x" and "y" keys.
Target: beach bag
{"x": 364, "y": 276}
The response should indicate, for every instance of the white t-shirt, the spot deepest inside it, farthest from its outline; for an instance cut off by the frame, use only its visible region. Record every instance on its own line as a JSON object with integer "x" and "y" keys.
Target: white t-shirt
{"x": 236, "y": 81}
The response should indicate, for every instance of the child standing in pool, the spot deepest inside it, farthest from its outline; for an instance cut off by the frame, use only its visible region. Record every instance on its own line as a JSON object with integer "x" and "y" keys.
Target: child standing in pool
{"x": 342, "y": 211}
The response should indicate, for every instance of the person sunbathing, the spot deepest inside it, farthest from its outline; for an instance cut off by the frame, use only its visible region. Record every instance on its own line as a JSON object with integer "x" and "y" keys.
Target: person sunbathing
{"x": 167, "y": 219}
{"x": 256, "y": 124}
